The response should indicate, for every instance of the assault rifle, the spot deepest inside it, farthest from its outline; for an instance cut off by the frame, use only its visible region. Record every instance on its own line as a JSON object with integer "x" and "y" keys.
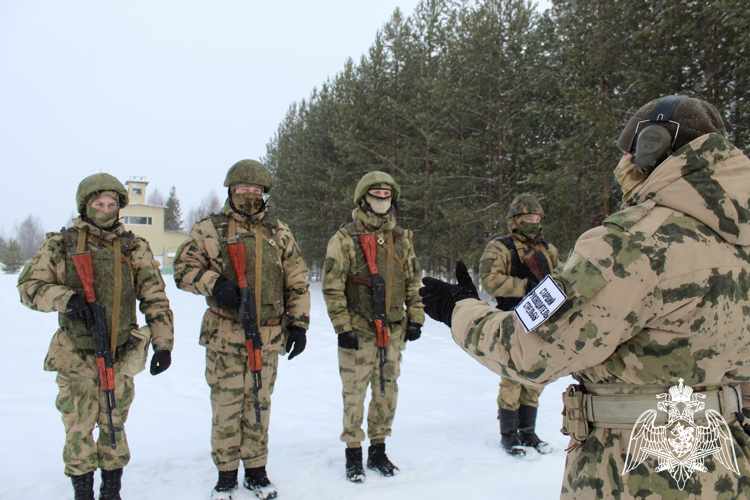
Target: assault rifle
{"x": 249, "y": 317}
{"x": 369, "y": 246}
{"x": 530, "y": 259}
{"x": 85, "y": 269}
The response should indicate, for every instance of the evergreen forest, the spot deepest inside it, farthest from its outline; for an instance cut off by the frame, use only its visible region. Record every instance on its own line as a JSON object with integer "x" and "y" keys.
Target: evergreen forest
{"x": 469, "y": 103}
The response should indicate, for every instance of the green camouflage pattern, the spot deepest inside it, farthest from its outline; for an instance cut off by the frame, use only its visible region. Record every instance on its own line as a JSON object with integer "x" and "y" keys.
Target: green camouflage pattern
{"x": 345, "y": 259}
{"x": 100, "y": 182}
{"x": 249, "y": 172}
{"x": 525, "y": 204}
{"x": 199, "y": 262}
{"x": 235, "y": 435}
{"x": 495, "y": 266}
{"x": 660, "y": 292}
{"x": 82, "y": 406}
{"x": 360, "y": 367}
{"x": 373, "y": 179}
{"x": 44, "y": 286}
{"x": 513, "y": 394}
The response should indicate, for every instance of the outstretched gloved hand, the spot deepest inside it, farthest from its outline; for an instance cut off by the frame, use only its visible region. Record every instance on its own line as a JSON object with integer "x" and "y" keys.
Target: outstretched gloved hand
{"x": 298, "y": 339}
{"x": 439, "y": 298}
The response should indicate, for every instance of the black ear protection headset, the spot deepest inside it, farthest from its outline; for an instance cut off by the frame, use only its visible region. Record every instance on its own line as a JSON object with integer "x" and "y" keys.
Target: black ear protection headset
{"x": 654, "y": 143}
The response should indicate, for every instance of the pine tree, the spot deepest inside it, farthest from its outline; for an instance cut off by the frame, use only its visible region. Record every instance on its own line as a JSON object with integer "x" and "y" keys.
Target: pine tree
{"x": 173, "y": 214}
{"x": 11, "y": 257}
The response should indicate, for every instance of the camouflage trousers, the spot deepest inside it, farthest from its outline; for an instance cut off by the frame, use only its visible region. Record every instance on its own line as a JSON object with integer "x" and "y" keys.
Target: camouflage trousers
{"x": 514, "y": 394}
{"x": 235, "y": 435}
{"x": 360, "y": 367}
{"x": 81, "y": 403}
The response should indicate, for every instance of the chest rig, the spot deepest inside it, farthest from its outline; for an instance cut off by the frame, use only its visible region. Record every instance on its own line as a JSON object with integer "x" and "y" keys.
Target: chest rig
{"x": 114, "y": 285}
{"x": 519, "y": 270}
{"x": 262, "y": 251}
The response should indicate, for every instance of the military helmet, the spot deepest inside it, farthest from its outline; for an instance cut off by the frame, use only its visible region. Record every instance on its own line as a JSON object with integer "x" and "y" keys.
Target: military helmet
{"x": 525, "y": 204}
{"x": 249, "y": 172}
{"x": 100, "y": 182}
{"x": 376, "y": 179}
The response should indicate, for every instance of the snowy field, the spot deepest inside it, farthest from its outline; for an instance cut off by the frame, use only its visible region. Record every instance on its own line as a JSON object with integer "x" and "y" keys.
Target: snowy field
{"x": 445, "y": 436}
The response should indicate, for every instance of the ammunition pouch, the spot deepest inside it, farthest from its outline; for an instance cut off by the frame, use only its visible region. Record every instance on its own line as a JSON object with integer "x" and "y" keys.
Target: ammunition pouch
{"x": 136, "y": 351}
{"x": 619, "y": 406}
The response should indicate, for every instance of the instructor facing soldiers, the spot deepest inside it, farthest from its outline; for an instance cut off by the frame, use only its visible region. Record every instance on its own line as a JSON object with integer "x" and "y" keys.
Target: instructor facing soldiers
{"x": 509, "y": 268}
{"x": 350, "y": 287}
{"x": 277, "y": 275}
{"x": 656, "y": 296}
{"x": 124, "y": 271}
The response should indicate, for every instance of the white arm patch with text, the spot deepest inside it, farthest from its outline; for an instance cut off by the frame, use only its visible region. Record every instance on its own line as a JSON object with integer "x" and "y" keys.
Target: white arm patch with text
{"x": 540, "y": 304}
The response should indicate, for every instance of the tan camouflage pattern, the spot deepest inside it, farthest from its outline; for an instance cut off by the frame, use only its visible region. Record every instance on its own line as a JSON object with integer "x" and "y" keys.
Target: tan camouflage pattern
{"x": 513, "y": 394}
{"x": 660, "y": 292}
{"x": 198, "y": 264}
{"x": 82, "y": 406}
{"x": 342, "y": 263}
{"x": 235, "y": 435}
{"x": 360, "y": 367}
{"x": 41, "y": 285}
{"x": 495, "y": 266}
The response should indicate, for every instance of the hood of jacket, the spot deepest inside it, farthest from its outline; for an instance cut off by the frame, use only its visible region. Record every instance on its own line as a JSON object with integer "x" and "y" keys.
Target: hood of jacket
{"x": 708, "y": 179}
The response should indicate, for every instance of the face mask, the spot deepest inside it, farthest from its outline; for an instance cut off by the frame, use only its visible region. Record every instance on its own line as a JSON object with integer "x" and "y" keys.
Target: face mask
{"x": 629, "y": 178}
{"x": 530, "y": 229}
{"x": 379, "y": 206}
{"x": 248, "y": 203}
{"x": 104, "y": 220}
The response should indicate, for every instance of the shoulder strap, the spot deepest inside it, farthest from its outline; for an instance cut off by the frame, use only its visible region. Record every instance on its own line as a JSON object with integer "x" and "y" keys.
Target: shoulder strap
{"x": 516, "y": 266}
{"x": 81, "y": 247}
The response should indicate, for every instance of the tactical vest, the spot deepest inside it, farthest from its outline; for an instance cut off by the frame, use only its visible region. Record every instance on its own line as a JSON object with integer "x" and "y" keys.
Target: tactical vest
{"x": 519, "y": 270}
{"x": 104, "y": 287}
{"x": 272, "y": 270}
{"x": 359, "y": 295}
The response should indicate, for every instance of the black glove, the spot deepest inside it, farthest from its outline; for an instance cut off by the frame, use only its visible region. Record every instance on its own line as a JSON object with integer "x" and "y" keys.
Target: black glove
{"x": 78, "y": 309}
{"x": 439, "y": 298}
{"x": 160, "y": 361}
{"x": 530, "y": 284}
{"x": 413, "y": 331}
{"x": 348, "y": 340}
{"x": 227, "y": 295}
{"x": 298, "y": 338}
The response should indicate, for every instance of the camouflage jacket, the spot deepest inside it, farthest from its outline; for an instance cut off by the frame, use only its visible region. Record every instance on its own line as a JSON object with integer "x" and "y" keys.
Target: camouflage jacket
{"x": 495, "y": 268}
{"x": 660, "y": 292}
{"x": 342, "y": 264}
{"x": 41, "y": 285}
{"x": 199, "y": 262}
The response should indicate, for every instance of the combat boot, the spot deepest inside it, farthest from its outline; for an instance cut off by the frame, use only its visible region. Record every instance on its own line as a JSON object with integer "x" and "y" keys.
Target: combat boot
{"x": 225, "y": 486}
{"x": 355, "y": 471}
{"x": 526, "y": 430}
{"x": 378, "y": 460}
{"x": 111, "y": 483}
{"x": 83, "y": 486}
{"x": 509, "y": 440}
{"x": 257, "y": 480}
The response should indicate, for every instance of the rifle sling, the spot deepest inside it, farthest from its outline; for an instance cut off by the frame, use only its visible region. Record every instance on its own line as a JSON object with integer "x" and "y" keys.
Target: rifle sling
{"x": 82, "y": 247}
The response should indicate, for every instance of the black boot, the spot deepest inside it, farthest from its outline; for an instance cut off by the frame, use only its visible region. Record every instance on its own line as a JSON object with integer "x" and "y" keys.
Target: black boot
{"x": 225, "y": 486}
{"x": 526, "y": 430}
{"x": 510, "y": 440}
{"x": 257, "y": 480}
{"x": 83, "y": 486}
{"x": 111, "y": 483}
{"x": 378, "y": 460}
{"x": 355, "y": 471}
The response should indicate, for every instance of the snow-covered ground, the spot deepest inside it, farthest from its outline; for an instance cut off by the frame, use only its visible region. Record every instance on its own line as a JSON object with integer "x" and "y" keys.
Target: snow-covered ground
{"x": 445, "y": 436}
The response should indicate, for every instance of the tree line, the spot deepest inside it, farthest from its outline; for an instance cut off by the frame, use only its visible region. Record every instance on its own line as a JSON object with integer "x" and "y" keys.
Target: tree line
{"x": 469, "y": 103}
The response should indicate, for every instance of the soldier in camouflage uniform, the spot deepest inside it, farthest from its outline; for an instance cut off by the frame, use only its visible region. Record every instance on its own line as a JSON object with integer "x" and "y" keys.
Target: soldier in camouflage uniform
{"x": 660, "y": 292}
{"x": 49, "y": 282}
{"x": 348, "y": 296}
{"x": 505, "y": 276}
{"x": 202, "y": 266}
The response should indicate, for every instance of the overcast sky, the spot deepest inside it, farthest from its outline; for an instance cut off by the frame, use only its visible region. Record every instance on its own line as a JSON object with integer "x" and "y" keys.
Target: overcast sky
{"x": 176, "y": 90}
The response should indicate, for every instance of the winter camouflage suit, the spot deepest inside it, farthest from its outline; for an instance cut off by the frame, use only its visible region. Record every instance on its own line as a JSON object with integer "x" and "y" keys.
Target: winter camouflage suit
{"x": 495, "y": 275}
{"x": 199, "y": 262}
{"x": 350, "y": 309}
{"x": 46, "y": 284}
{"x": 660, "y": 292}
